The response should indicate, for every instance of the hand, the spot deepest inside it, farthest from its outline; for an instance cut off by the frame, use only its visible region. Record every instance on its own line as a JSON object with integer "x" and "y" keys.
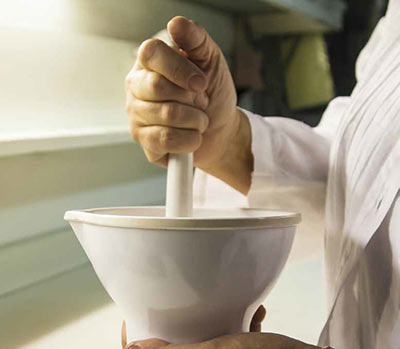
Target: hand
{"x": 184, "y": 100}
{"x": 255, "y": 326}
{"x": 237, "y": 341}
{"x": 252, "y": 340}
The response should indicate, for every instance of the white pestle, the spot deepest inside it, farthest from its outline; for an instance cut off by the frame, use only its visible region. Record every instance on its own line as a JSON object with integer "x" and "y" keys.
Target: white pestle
{"x": 179, "y": 199}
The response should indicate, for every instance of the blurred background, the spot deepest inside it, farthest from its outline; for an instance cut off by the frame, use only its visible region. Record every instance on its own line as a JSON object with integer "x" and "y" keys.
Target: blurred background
{"x": 64, "y": 143}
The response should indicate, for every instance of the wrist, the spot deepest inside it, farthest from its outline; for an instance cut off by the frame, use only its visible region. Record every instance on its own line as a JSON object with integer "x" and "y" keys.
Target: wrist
{"x": 234, "y": 163}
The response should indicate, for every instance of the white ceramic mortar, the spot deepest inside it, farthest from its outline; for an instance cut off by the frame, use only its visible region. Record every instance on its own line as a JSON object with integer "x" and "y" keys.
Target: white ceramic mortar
{"x": 185, "y": 280}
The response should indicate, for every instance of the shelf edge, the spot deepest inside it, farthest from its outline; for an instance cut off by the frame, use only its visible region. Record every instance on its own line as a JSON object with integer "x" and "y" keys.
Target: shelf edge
{"x": 28, "y": 143}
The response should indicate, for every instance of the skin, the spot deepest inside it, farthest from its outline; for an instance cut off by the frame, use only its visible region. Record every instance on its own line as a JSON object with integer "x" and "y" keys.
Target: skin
{"x": 183, "y": 100}
{"x": 236, "y": 341}
{"x": 254, "y": 339}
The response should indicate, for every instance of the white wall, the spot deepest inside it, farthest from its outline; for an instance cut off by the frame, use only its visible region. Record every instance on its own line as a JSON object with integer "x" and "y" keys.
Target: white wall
{"x": 63, "y": 62}
{"x": 62, "y": 68}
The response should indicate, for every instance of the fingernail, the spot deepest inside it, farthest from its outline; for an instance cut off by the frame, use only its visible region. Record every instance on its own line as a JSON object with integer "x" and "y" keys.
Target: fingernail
{"x": 197, "y": 83}
{"x": 134, "y": 346}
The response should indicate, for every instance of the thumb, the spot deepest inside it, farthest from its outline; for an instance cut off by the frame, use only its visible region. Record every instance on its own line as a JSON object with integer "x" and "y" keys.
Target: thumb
{"x": 257, "y": 320}
{"x": 194, "y": 40}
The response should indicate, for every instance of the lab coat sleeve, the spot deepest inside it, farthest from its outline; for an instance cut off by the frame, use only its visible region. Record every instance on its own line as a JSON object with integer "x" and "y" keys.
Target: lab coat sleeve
{"x": 290, "y": 150}
{"x": 285, "y": 152}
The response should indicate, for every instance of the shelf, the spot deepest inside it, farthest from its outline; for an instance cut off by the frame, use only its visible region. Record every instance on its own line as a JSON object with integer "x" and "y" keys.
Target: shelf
{"x": 26, "y": 143}
{"x": 293, "y": 15}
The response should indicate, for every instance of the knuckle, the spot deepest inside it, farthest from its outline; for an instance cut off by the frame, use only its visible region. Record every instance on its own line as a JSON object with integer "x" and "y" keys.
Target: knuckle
{"x": 194, "y": 98}
{"x": 148, "y": 48}
{"x": 128, "y": 108}
{"x": 171, "y": 113}
{"x": 156, "y": 83}
{"x": 132, "y": 107}
{"x": 134, "y": 132}
{"x": 204, "y": 121}
{"x": 199, "y": 100}
{"x": 128, "y": 79}
{"x": 153, "y": 158}
{"x": 197, "y": 139}
{"x": 167, "y": 138}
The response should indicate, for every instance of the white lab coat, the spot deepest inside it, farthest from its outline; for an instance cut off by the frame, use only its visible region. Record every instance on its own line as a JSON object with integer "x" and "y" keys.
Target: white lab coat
{"x": 356, "y": 149}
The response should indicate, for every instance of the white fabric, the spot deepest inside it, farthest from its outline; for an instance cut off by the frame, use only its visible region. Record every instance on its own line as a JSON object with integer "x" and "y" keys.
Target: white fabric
{"x": 356, "y": 149}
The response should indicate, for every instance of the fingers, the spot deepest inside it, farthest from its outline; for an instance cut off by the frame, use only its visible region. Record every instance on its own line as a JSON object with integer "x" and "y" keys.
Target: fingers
{"x": 151, "y": 86}
{"x": 160, "y": 139}
{"x": 123, "y": 335}
{"x": 163, "y": 128}
{"x": 169, "y": 114}
{"x": 157, "y": 141}
{"x": 149, "y": 343}
{"x": 242, "y": 340}
{"x": 155, "y": 55}
{"x": 166, "y": 100}
{"x": 193, "y": 39}
{"x": 157, "y": 343}
{"x": 258, "y": 318}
